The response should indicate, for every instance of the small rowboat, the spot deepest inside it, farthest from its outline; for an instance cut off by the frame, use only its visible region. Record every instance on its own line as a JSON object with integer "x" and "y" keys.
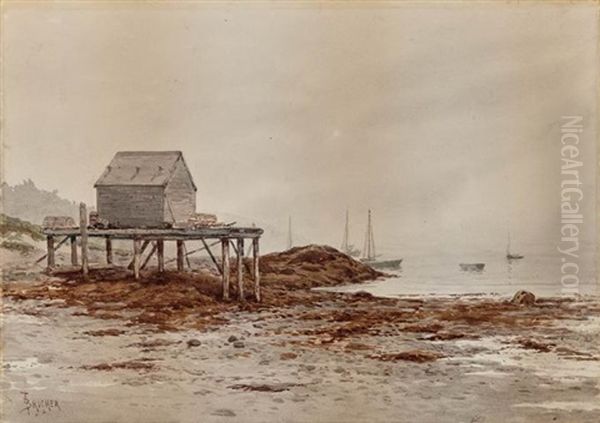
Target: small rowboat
{"x": 472, "y": 267}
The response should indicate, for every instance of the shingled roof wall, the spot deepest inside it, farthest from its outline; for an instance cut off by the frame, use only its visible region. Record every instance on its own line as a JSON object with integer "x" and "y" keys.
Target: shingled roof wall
{"x": 151, "y": 168}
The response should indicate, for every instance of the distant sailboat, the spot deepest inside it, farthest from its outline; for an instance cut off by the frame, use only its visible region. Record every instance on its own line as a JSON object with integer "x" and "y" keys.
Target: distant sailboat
{"x": 509, "y": 255}
{"x": 347, "y": 248}
{"x": 290, "y": 243}
{"x": 369, "y": 255}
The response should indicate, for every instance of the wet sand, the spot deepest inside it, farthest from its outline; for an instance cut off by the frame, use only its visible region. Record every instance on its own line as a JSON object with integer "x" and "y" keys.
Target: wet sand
{"x": 277, "y": 374}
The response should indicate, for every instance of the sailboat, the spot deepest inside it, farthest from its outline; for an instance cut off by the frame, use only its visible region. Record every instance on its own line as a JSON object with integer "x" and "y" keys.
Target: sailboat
{"x": 369, "y": 255}
{"x": 290, "y": 242}
{"x": 509, "y": 255}
{"x": 347, "y": 248}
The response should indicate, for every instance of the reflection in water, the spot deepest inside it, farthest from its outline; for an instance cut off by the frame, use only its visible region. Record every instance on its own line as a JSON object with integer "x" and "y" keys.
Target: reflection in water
{"x": 511, "y": 264}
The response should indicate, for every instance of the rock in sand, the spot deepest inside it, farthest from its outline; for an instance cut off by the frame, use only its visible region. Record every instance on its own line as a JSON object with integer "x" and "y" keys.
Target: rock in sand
{"x": 523, "y": 297}
{"x": 193, "y": 343}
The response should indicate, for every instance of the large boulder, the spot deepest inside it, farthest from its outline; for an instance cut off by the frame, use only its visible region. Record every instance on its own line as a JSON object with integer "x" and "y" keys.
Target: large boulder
{"x": 523, "y": 297}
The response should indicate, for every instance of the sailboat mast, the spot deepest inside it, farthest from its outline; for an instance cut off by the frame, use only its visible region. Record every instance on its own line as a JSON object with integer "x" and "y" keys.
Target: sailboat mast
{"x": 346, "y": 230}
{"x": 365, "y": 250}
{"x": 290, "y": 241}
{"x": 372, "y": 237}
{"x": 369, "y": 235}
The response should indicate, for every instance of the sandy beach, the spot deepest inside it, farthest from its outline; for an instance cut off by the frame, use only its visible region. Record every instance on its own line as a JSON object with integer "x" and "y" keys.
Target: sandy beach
{"x": 300, "y": 356}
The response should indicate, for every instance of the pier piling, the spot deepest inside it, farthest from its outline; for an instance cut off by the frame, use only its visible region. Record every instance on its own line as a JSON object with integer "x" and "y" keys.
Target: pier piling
{"x": 225, "y": 266}
{"x": 240, "y": 268}
{"x": 109, "y": 251}
{"x": 180, "y": 253}
{"x": 83, "y": 222}
{"x": 50, "y": 255}
{"x": 229, "y": 237}
{"x": 73, "y": 240}
{"x": 137, "y": 251}
{"x": 255, "y": 263}
{"x": 160, "y": 254}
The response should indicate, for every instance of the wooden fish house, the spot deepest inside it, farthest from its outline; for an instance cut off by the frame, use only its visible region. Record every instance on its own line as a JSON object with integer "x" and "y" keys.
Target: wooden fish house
{"x": 141, "y": 196}
{"x": 146, "y": 189}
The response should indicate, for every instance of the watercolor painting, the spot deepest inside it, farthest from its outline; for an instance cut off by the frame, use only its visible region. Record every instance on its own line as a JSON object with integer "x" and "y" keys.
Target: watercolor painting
{"x": 299, "y": 211}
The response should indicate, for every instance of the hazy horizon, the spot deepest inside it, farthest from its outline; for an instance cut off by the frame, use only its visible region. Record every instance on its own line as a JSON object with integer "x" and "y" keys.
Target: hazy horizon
{"x": 442, "y": 119}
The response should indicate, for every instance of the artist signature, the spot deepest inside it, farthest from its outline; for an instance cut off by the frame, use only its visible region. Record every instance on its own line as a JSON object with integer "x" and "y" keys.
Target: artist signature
{"x": 37, "y": 407}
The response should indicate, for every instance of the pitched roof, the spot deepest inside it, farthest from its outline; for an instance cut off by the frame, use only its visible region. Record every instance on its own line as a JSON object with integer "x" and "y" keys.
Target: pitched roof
{"x": 150, "y": 168}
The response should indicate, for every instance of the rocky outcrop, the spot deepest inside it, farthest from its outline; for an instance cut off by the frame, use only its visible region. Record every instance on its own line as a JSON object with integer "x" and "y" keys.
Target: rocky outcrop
{"x": 314, "y": 266}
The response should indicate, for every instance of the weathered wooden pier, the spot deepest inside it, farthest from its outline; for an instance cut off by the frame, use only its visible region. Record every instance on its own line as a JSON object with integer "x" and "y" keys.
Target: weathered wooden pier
{"x": 227, "y": 236}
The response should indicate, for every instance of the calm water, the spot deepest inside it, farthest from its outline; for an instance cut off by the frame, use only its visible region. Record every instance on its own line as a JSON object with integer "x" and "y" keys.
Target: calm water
{"x": 442, "y": 276}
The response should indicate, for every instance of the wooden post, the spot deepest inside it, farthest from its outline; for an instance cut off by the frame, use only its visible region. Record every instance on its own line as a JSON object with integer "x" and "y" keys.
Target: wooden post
{"x": 225, "y": 266}
{"x": 255, "y": 260}
{"x": 142, "y": 249}
{"x": 50, "y": 248}
{"x": 160, "y": 253}
{"x": 180, "y": 254}
{"x": 149, "y": 256}
{"x": 74, "y": 259}
{"x": 109, "y": 251}
{"x": 187, "y": 256}
{"x": 212, "y": 257}
{"x": 55, "y": 249}
{"x": 240, "y": 268}
{"x": 137, "y": 249}
{"x": 84, "y": 240}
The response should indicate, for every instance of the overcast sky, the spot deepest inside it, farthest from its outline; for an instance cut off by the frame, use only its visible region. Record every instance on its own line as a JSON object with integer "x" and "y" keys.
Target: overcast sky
{"x": 445, "y": 120}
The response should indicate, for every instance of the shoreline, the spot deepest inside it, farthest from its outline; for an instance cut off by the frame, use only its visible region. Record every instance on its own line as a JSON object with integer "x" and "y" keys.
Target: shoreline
{"x": 289, "y": 368}
{"x": 166, "y": 350}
